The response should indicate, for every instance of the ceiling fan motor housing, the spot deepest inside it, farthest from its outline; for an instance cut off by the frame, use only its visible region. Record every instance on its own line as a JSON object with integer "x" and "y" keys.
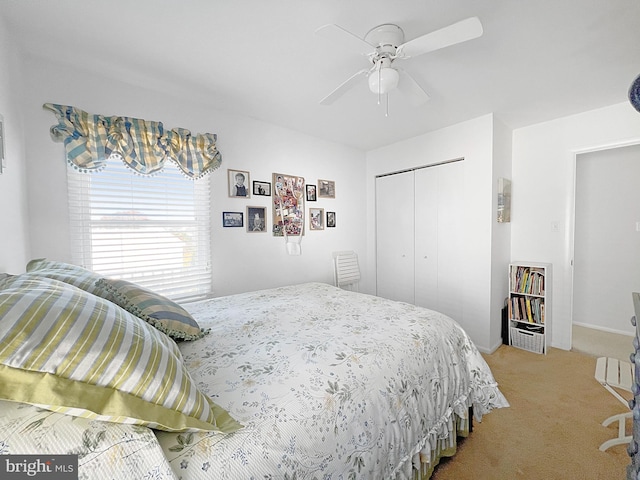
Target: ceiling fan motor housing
{"x": 386, "y": 38}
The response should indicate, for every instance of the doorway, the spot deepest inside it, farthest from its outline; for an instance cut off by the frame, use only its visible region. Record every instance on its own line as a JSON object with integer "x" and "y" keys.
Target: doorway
{"x": 606, "y": 246}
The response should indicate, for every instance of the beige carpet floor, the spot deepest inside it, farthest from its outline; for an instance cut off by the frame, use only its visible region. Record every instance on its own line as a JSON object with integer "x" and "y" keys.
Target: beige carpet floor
{"x": 601, "y": 344}
{"x": 552, "y": 430}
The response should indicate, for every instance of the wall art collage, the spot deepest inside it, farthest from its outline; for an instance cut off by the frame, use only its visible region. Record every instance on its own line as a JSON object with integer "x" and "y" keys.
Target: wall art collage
{"x": 288, "y": 195}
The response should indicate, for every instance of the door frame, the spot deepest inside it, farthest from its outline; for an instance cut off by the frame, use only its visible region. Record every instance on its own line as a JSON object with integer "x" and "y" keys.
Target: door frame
{"x": 570, "y": 243}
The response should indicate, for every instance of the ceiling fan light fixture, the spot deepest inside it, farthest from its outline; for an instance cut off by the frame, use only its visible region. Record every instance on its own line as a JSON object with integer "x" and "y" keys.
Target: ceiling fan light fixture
{"x": 383, "y": 80}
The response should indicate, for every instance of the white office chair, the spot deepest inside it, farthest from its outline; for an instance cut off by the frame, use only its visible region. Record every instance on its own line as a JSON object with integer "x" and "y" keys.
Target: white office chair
{"x": 611, "y": 372}
{"x": 346, "y": 272}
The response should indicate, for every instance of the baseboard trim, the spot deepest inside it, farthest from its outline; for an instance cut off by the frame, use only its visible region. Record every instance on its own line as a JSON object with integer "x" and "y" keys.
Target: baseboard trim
{"x": 605, "y": 329}
{"x": 490, "y": 350}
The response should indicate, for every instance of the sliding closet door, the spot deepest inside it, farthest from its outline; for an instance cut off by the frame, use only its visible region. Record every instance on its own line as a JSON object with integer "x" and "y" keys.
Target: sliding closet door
{"x": 395, "y": 237}
{"x": 439, "y": 204}
{"x": 450, "y": 238}
{"x": 426, "y": 238}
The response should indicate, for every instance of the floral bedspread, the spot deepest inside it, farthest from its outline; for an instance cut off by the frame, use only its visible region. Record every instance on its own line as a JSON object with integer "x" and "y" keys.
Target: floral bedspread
{"x": 329, "y": 384}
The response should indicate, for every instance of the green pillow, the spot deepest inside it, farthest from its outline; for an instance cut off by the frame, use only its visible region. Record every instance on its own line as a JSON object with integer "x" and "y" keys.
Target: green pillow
{"x": 72, "y": 352}
{"x": 164, "y": 314}
{"x": 65, "y": 272}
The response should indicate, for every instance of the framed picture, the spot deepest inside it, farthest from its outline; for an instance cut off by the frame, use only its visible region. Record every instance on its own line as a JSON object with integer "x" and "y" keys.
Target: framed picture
{"x": 316, "y": 219}
{"x": 238, "y": 181}
{"x": 262, "y": 188}
{"x": 326, "y": 189}
{"x": 311, "y": 193}
{"x": 504, "y": 200}
{"x": 331, "y": 219}
{"x": 256, "y": 219}
{"x": 232, "y": 219}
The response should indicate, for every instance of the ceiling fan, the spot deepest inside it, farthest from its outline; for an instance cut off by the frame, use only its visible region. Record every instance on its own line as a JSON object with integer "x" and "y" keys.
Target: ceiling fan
{"x": 384, "y": 45}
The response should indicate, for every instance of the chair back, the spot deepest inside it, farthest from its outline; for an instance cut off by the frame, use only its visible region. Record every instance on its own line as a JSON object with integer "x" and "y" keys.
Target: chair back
{"x": 346, "y": 272}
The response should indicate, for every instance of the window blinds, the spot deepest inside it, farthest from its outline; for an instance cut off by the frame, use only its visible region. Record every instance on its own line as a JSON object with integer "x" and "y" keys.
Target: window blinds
{"x": 151, "y": 230}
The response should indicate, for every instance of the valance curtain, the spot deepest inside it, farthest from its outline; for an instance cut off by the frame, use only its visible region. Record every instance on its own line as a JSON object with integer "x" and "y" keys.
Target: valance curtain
{"x": 143, "y": 145}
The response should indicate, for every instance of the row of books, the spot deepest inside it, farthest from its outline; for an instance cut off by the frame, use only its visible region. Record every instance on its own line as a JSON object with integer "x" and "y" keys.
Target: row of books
{"x": 526, "y": 309}
{"x": 528, "y": 280}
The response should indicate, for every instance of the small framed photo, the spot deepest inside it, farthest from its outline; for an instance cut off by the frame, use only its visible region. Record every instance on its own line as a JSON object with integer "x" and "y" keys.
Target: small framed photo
{"x": 331, "y": 219}
{"x": 232, "y": 219}
{"x": 238, "y": 184}
{"x": 262, "y": 188}
{"x": 326, "y": 189}
{"x": 504, "y": 200}
{"x": 316, "y": 219}
{"x": 256, "y": 219}
{"x": 311, "y": 193}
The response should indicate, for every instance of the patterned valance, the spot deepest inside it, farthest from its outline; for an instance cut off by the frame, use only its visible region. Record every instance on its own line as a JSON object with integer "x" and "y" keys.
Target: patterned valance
{"x": 143, "y": 145}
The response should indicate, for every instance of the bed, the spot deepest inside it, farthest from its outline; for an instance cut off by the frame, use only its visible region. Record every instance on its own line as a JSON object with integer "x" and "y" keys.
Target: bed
{"x": 305, "y": 381}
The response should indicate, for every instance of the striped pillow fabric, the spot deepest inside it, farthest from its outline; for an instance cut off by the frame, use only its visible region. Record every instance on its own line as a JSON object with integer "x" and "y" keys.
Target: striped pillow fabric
{"x": 155, "y": 309}
{"x": 72, "y": 352}
{"x": 65, "y": 272}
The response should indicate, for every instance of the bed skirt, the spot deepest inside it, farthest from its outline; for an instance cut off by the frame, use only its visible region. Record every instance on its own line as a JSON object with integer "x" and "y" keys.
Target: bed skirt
{"x": 446, "y": 447}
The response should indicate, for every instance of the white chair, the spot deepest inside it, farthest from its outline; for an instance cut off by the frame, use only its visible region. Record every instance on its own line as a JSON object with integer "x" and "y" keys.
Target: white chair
{"x": 346, "y": 271}
{"x": 612, "y": 373}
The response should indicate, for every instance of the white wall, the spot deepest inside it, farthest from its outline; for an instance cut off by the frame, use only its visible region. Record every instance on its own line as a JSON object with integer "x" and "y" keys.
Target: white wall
{"x": 543, "y": 188}
{"x": 472, "y": 140}
{"x": 14, "y": 239}
{"x": 241, "y": 261}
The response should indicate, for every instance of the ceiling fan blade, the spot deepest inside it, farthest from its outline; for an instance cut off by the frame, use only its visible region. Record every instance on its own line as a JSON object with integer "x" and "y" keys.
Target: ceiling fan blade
{"x": 345, "y": 40}
{"x": 457, "y": 33}
{"x": 408, "y": 85}
{"x": 343, "y": 87}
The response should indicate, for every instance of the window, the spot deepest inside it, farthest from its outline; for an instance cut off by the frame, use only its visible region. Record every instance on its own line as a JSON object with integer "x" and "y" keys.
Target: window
{"x": 150, "y": 230}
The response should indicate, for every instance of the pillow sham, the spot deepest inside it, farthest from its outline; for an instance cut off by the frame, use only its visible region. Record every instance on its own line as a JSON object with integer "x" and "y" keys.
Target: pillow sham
{"x": 65, "y": 272}
{"x": 72, "y": 352}
{"x": 155, "y": 309}
{"x": 114, "y": 450}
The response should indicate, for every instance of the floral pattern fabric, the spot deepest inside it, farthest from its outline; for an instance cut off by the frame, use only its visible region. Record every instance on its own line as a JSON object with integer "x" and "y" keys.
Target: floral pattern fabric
{"x": 329, "y": 384}
{"x": 105, "y": 450}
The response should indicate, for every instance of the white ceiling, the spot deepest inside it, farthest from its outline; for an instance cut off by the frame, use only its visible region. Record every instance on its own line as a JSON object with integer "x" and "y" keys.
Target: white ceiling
{"x": 537, "y": 60}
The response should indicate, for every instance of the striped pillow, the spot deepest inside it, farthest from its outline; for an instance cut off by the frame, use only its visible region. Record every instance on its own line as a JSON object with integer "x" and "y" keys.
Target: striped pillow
{"x": 65, "y": 272}
{"x": 164, "y": 314}
{"x": 72, "y": 352}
